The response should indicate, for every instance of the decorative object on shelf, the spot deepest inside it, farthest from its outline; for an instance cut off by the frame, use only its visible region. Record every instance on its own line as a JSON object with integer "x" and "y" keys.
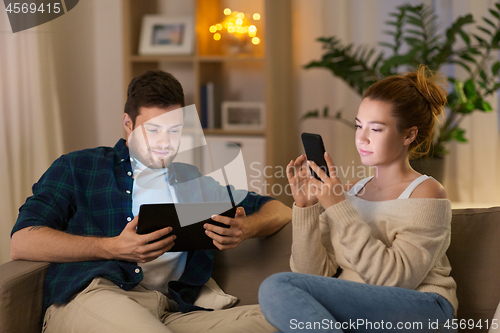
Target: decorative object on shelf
{"x": 210, "y": 101}
{"x": 237, "y": 31}
{"x": 417, "y": 41}
{"x": 166, "y": 35}
{"x": 245, "y": 116}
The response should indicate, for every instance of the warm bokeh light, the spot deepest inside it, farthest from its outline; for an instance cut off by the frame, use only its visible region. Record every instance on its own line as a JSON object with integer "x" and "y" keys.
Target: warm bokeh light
{"x": 239, "y": 24}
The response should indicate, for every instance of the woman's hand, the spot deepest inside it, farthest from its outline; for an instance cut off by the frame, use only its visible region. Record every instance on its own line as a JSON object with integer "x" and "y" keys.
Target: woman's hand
{"x": 330, "y": 191}
{"x": 299, "y": 177}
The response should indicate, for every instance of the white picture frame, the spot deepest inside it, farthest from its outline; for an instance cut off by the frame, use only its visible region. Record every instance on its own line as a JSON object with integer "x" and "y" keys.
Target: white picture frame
{"x": 164, "y": 35}
{"x": 243, "y": 116}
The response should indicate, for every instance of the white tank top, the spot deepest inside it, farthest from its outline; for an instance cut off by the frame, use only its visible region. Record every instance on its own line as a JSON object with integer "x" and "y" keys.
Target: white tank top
{"x": 405, "y": 195}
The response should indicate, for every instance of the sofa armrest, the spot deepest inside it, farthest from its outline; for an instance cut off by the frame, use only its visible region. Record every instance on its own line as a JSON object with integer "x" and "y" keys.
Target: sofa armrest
{"x": 21, "y": 296}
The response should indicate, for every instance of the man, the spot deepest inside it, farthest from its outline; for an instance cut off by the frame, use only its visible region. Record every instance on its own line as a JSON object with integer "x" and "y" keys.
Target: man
{"x": 104, "y": 277}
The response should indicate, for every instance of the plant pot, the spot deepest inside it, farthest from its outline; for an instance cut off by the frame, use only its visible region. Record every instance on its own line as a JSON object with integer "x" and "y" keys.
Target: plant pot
{"x": 433, "y": 166}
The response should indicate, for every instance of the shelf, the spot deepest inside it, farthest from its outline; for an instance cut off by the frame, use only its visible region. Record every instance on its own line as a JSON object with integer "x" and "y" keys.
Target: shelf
{"x": 161, "y": 58}
{"x": 220, "y": 131}
{"x": 265, "y": 75}
{"x": 223, "y": 58}
{"x": 188, "y": 58}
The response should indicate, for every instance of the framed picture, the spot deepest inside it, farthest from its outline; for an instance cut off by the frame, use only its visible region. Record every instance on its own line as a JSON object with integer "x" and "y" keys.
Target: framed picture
{"x": 243, "y": 116}
{"x": 166, "y": 35}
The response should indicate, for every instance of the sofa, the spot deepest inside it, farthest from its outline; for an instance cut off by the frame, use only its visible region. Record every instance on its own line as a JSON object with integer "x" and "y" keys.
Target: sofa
{"x": 474, "y": 255}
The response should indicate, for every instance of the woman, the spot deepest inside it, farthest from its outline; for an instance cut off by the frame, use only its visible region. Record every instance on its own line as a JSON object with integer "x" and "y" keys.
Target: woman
{"x": 385, "y": 237}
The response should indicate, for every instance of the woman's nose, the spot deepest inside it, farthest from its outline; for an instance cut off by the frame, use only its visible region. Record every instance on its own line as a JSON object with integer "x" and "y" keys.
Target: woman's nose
{"x": 361, "y": 136}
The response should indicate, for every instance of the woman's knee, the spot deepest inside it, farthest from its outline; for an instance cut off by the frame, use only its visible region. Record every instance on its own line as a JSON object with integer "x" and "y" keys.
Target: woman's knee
{"x": 273, "y": 287}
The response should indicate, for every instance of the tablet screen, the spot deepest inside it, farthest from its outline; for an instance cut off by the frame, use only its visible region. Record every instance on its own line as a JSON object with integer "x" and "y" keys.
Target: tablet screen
{"x": 186, "y": 219}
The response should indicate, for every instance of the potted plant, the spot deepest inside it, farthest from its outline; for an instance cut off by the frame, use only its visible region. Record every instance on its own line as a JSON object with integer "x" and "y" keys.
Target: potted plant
{"x": 416, "y": 40}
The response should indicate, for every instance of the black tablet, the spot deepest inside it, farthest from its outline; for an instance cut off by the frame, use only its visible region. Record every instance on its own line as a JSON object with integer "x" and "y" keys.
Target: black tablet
{"x": 186, "y": 219}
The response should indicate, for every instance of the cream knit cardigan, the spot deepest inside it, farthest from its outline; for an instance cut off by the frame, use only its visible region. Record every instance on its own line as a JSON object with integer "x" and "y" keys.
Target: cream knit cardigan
{"x": 399, "y": 243}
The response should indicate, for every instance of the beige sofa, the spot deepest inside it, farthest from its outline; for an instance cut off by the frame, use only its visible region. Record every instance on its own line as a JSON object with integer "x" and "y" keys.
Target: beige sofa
{"x": 474, "y": 256}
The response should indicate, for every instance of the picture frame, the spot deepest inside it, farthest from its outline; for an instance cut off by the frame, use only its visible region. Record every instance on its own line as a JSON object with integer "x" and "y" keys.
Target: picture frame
{"x": 243, "y": 116}
{"x": 164, "y": 35}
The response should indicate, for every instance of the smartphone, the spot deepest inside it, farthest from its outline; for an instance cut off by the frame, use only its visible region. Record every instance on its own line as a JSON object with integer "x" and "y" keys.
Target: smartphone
{"x": 315, "y": 151}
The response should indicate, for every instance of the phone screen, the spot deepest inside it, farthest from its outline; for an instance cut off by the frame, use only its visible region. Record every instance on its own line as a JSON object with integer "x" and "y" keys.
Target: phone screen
{"x": 315, "y": 151}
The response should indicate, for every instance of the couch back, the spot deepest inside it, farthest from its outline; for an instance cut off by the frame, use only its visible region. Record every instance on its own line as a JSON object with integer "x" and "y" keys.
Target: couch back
{"x": 474, "y": 255}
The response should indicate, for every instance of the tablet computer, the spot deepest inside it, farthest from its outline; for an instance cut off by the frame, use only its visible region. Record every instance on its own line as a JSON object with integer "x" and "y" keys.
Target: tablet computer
{"x": 186, "y": 219}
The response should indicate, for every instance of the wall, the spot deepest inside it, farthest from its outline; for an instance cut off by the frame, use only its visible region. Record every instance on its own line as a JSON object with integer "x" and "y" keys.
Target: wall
{"x": 88, "y": 47}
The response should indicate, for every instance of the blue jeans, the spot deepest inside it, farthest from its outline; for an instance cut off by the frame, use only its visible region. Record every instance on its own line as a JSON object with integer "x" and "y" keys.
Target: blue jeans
{"x": 295, "y": 302}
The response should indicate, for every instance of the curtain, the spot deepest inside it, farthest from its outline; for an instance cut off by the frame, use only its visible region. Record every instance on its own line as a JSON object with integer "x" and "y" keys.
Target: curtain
{"x": 30, "y": 125}
{"x": 471, "y": 173}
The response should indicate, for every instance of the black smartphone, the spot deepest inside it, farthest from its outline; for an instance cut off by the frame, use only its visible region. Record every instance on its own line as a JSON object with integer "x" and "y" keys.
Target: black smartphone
{"x": 315, "y": 151}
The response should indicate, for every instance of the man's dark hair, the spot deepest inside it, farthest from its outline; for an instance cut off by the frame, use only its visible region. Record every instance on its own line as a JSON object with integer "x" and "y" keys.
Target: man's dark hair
{"x": 153, "y": 89}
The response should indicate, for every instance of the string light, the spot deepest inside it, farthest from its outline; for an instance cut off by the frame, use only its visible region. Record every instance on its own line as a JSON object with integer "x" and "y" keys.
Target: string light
{"x": 238, "y": 24}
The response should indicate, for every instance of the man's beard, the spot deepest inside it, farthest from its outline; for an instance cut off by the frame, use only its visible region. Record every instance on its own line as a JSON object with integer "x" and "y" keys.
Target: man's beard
{"x": 154, "y": 161}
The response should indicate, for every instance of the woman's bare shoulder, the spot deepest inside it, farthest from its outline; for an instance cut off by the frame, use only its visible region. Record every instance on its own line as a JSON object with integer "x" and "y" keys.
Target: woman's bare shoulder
{"x": 429, "y": 188}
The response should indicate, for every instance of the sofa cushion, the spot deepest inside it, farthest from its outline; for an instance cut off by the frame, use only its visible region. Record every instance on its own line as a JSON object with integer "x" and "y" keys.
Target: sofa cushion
{"x": 241, "y": 270}
{"x": 474, "y": 255}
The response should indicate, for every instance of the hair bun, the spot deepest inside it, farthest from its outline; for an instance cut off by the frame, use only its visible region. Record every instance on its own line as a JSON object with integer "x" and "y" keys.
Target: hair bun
{"x": 431, "y": 86}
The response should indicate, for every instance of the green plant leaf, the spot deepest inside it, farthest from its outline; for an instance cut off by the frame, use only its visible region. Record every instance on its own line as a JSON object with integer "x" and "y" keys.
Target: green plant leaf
{"x": 467, "y": 57}
{"x": 465, "y": 37}
{"x": 495, "y": 41}
{"x": 470, "y": 89}
{"x": 386, "y": 45}
{"x": 489, "y": 22}
{"x": 483, "y": 75}
{"x": 325, "y": 111}
{"x": 485, "y": 30}
{"x": 483, "y": 105}
{"x": 464, "y": 65}
{"x": 494, "y": 13}
{"x": 481, "y": 40}
{"x": 495, "y": 69}
{"x": 311, "y": 114}
{"x": 458, "y": 134}
{"x": 458, "y": 87}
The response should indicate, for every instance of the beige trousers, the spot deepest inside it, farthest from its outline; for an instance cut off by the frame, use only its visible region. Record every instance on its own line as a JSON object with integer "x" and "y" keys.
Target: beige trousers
{"x": 103, "y": 307}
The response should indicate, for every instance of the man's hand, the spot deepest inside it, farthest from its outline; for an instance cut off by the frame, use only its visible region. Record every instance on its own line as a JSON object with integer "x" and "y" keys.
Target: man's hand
{"x": 133, "y": 247}
{"x": 227, "y": 238}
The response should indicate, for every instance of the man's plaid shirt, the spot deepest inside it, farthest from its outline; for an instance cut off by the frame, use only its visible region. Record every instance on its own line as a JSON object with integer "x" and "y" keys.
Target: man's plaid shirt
{"x": 89, "y": 193}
